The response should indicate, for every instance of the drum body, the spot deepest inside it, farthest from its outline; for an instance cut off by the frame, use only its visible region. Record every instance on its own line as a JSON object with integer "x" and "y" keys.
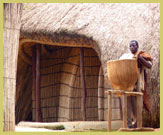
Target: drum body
{"x": 122, "y": 74}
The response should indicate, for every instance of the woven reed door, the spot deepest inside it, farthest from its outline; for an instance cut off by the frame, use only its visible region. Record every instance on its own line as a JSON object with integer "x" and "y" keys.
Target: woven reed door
{"x": 11, "y": 31}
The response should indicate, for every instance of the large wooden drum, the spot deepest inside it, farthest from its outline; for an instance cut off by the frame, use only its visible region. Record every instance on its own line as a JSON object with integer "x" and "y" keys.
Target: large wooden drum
{"x": 122, "y": 74}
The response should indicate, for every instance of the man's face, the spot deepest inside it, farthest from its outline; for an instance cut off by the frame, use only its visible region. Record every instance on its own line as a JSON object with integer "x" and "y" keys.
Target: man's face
{"x": 133, "y": 47}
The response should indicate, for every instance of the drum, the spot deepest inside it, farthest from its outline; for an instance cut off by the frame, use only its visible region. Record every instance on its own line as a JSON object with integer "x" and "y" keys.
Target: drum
{"x": 122, "y": 74}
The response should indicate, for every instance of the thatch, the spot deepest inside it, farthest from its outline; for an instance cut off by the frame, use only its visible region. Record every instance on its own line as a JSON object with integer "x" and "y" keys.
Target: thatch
{"x": 107, "y": 28}
{"x": 11, "y": 24}
{"x": 101, "y": 22}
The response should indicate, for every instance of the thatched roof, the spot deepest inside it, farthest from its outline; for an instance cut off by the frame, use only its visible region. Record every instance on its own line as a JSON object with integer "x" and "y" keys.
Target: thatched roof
{"x": 110, "y": 26}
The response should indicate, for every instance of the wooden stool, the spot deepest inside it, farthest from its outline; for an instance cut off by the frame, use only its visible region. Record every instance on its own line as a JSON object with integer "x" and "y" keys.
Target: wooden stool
{"x": 124, "y": 106}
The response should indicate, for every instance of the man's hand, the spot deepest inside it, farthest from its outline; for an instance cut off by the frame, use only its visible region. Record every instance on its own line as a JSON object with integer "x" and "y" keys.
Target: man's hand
{"x": 143, "y": 61}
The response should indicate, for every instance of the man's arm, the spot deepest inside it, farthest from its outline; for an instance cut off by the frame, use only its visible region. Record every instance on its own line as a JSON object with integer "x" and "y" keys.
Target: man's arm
{"x": 144, "y": 62}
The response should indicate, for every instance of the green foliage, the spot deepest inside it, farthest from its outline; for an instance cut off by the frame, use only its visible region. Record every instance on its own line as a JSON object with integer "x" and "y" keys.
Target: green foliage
{"x": 58, "y": 127}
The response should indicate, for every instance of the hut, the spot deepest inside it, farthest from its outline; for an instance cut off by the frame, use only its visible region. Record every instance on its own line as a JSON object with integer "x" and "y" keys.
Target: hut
{"x": 62, "y": 32}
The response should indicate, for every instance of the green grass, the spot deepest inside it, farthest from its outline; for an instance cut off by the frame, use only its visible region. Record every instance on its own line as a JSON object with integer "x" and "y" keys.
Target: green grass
{"x": 58, "y": 127}
{"x": 94, "y": 130}
{"x": 101, "y": 130}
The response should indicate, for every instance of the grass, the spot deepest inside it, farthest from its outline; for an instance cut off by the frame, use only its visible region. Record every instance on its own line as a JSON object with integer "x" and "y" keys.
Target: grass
{"x": 58, "y": 127}
{"x": 94, "y": 130}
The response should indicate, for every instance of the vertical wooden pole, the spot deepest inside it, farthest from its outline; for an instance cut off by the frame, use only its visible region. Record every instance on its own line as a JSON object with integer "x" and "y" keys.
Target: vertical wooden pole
{"x": 120, "y": 106}
{"x": 34, "y": 76}
{"x": 139, "y": 111}
{"x": 139, "y": 105}
{"x": 109, "y": 111}
{"x": 83, "y": 105}
{"x": 38, "y": 102}
{"x": 101, "y": 95}
{"x": 124, "y": 106}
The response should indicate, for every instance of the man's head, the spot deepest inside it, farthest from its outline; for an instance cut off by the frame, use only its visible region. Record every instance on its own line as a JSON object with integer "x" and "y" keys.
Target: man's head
{"x": 133, "y": 46}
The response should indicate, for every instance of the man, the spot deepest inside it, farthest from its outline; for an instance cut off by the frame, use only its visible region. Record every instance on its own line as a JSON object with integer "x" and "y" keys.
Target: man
{"x": 144, "y": 62}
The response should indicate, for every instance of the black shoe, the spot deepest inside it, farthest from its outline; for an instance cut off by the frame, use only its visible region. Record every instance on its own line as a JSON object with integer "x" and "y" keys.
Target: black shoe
{"x": 135, "y": 125}
{"x": 129, "y": 126}
{"x": 132, "y": 126}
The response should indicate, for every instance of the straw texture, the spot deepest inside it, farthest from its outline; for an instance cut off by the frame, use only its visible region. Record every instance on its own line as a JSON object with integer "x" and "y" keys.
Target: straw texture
{"x": 11, "y": 24}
